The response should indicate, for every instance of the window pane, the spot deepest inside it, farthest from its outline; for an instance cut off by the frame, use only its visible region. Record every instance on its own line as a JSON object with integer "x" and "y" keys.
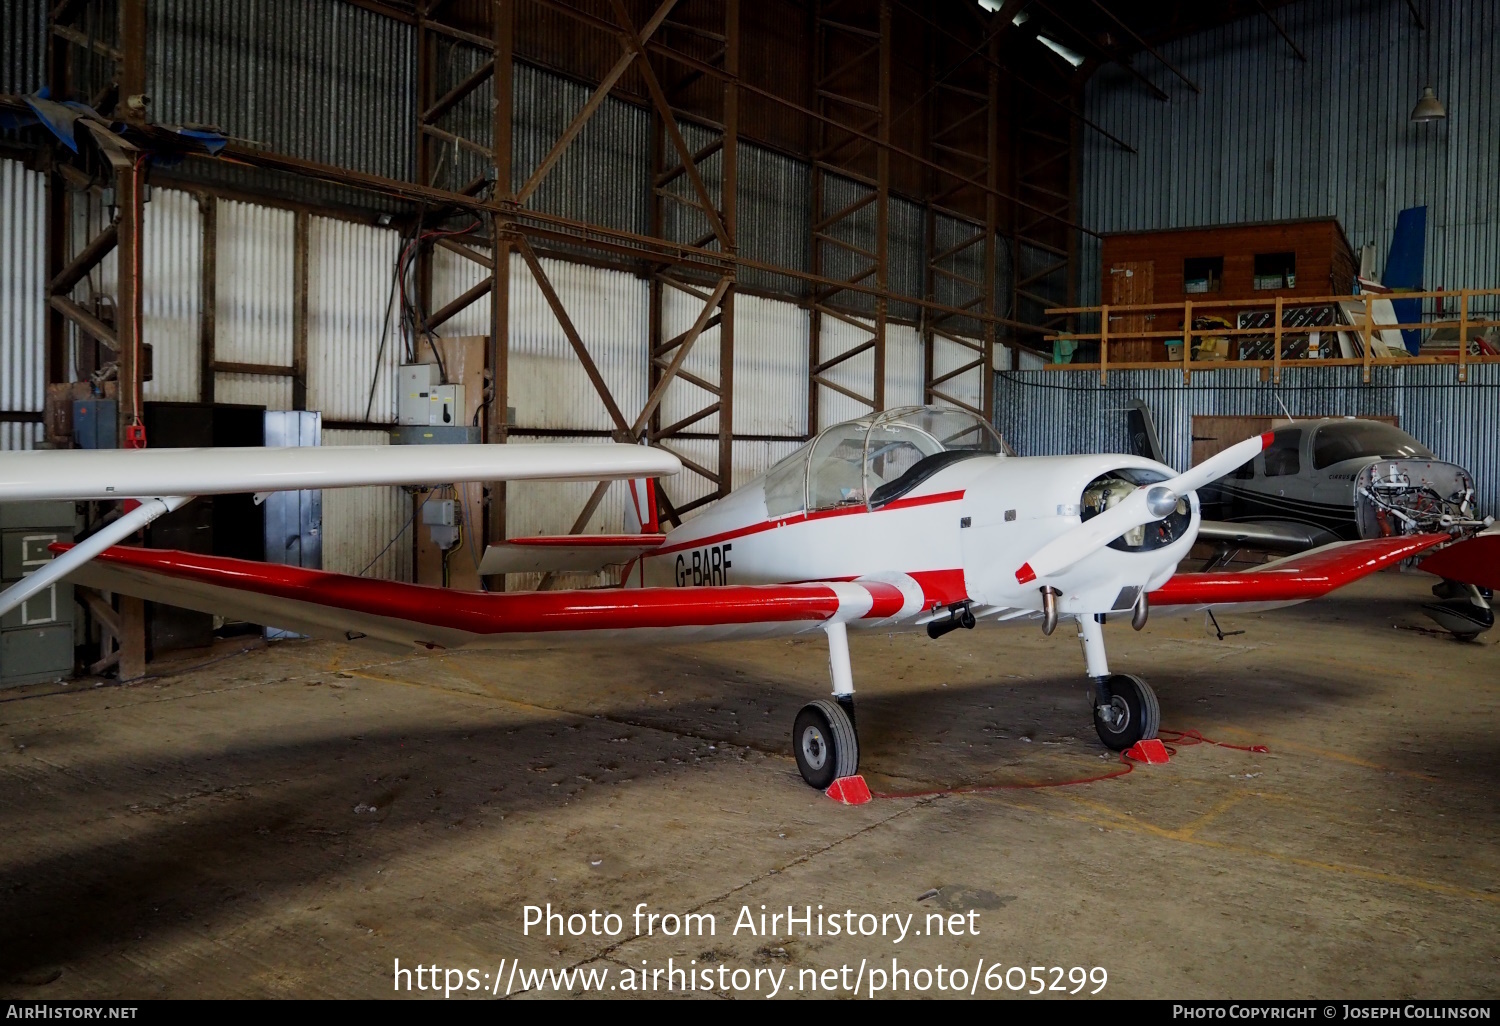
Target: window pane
{"x": 1282, "y": 458}
{"x": 1355, "y": 439}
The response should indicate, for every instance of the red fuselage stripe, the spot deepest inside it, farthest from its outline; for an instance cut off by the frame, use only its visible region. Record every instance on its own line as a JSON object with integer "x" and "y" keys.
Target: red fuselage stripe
{"x": 822, "y": 514}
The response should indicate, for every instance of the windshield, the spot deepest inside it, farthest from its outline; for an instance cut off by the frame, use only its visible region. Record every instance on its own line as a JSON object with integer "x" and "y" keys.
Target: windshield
{"x": 1358, "y": 439}
{"x": 884, "y": 453}
{"x": 850, "y": 462}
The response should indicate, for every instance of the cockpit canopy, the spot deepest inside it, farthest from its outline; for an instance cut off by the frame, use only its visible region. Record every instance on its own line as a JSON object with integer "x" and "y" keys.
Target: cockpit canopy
{"x": 873, "y": 460}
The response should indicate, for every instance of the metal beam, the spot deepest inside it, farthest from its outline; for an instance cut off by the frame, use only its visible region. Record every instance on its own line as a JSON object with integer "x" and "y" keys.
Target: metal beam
{"x": 1148, "y": 47}
{"x": 1281, "y": 31}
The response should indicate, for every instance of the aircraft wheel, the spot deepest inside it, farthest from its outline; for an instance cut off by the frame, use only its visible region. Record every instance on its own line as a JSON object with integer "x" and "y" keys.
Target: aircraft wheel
{"x": 825, "y": 744}
{"x": 1132, "y": 713}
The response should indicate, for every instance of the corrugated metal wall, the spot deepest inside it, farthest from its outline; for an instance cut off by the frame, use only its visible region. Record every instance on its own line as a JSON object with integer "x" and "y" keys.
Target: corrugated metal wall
{"x": 23, "y": 63}
{"x": 171, "y": 304}
{"x": 23, "y": 307}
{"x": 1272, "y": 137}
{"x": 255, "y": 300}
{"x": 325, "y": 81}
{"x": 360, "y": 523}
{"x": 1044, "y": 413}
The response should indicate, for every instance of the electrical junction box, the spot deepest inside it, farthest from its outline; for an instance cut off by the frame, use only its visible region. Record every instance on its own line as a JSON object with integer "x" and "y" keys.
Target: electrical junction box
{"x": 421, "y": 401}
{"x": 442, "y": 518}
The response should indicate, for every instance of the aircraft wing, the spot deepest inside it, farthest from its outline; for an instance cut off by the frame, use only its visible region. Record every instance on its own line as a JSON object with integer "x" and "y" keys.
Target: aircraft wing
{"x": 1261, "y": 534}
{"x": 141, "y": 473}
{"x": 1307, "y": 575}
{"x": 394, "y": 616}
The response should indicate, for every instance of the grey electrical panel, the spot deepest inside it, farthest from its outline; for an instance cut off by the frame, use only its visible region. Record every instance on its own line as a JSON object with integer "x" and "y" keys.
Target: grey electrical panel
{"x": 36, "y": 638}
{"x": 294, "y": 520}
{"x": 421, "y": 400}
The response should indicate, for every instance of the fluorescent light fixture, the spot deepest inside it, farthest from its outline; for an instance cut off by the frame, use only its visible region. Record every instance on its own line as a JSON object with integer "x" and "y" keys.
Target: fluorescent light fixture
{"x": 1073, "y": 57}
{"x": 991, "y": 5}
{"x": 1021, "y": 18}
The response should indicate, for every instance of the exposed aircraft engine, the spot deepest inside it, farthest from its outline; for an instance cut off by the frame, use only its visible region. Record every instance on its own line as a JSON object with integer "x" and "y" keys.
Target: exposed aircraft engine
{"x": 1413, "y": 496}
{"x": 1109, "y": 490}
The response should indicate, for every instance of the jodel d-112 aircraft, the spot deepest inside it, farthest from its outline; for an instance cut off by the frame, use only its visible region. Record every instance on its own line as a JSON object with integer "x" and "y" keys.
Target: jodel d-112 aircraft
{"x": 910, "y": 519}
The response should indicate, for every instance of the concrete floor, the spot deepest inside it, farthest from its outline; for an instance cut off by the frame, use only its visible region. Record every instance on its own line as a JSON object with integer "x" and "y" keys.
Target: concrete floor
{"x": 210, "y": 833}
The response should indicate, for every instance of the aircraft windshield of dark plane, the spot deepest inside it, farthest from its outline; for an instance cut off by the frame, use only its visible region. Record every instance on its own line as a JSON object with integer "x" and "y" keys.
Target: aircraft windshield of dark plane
{"x": 1361, "y": 439}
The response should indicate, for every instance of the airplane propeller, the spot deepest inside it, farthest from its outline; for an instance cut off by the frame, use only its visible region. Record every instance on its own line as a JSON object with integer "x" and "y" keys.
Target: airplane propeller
{"x": 1145, "y": 505}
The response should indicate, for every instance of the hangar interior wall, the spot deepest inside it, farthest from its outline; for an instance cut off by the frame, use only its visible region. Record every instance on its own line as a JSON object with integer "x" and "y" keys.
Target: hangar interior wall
{"x": 1273, "y": 138}
{"x": 1047, "y": 413}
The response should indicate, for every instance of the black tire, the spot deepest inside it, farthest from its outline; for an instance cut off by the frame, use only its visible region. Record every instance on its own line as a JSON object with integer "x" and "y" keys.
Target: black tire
{"x": 824, "y": 743}
{"x": 1138, "y": 716}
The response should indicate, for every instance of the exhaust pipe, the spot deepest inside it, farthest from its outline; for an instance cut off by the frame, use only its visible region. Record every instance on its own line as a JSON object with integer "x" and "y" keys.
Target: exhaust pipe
{"x": 1049, "y": 610}
{"x": 1141, "y": 611}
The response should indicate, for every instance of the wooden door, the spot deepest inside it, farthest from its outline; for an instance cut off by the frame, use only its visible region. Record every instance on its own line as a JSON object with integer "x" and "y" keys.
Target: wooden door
{"x": 1131, "y": 283}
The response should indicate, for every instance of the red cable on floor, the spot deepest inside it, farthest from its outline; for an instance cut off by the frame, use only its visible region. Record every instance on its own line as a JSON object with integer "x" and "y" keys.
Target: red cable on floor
{"x": 1180, "y": 738}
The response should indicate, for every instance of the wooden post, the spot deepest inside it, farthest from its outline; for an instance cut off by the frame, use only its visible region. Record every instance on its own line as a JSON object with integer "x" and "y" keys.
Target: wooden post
{"x": 132, "y": 638}
{"x": 1103, "y": 344}
{"x": 1276, "y": 353}
{"x": 1187, "y": 342}
{"x": 302, "y": 225}
{"x": 1463, "y": 335}
{"x": 1368, "y": 330}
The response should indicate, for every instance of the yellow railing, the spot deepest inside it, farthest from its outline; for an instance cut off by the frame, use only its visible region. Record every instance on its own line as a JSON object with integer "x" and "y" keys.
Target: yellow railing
{"x": 1279, "y": 331}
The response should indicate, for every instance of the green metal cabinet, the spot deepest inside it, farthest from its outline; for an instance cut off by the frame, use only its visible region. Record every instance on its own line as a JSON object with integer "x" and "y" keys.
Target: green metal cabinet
{"x": 36, "y": 638}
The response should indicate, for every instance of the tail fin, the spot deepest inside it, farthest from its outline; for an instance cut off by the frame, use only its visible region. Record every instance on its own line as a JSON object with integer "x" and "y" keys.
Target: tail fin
{"x": 640, "y": 514}
{"x": 1143, "y": 440}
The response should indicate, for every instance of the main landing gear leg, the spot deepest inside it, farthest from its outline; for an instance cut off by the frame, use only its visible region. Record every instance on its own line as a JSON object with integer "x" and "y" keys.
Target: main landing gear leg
{"x": 1125, "y": 707}
{"x": 823, "y": 736}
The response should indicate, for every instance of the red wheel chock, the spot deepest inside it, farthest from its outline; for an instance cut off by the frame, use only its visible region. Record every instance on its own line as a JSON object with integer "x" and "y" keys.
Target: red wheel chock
{"x": 1150, "y": 750}
{"x": 849, "y": 790}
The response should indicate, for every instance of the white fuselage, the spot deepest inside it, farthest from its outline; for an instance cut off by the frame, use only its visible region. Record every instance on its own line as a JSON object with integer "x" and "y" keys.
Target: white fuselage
{"x": 961, "y": 535}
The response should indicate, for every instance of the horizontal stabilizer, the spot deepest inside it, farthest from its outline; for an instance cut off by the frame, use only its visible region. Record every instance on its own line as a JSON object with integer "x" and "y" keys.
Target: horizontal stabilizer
{"x": 554, "y": 553}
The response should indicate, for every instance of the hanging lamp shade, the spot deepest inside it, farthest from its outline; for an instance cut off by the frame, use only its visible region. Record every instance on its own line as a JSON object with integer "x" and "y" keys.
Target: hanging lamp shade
{"x": 1428, "y": 107}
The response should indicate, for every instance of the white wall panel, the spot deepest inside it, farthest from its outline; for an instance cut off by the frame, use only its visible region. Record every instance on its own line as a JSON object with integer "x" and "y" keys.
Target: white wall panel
{"x": 359, "y": 523}
{"x": 171, "y": 294}
{"x": 903, "y": 366}
{"x": 255, "y": 295}
{"x": 23, "y": 311}
{"x": 855, "y": 373}
{"x": 683, "y": 398}
{"x": 353, "y": 340}
{"x": 948, "y": 356}
{"x": 770, "y": 367}
{"x": 548, "y": 386}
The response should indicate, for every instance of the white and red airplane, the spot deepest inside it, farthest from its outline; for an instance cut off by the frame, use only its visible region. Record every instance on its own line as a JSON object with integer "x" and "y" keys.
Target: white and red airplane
{"x": 911, "y": 519}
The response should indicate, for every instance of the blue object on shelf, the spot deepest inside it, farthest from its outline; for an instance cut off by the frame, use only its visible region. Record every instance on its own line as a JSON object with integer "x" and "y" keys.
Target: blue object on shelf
{"x": 1403, "y": 270}
{"x": 96, "y": 423}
